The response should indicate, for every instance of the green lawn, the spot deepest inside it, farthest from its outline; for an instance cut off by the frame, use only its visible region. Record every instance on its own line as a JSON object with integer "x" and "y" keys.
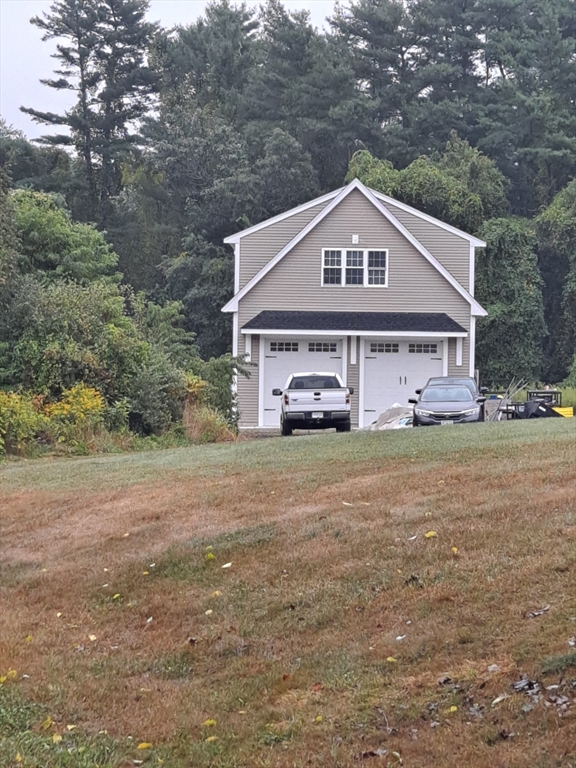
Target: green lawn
{"x": 121, "y": 628}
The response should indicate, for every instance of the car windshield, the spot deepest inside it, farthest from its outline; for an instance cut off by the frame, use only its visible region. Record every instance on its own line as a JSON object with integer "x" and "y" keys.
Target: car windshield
{"x": 470, "y": 383}
{"x": 446, "y": 394}
{"x": 315, "y": 382}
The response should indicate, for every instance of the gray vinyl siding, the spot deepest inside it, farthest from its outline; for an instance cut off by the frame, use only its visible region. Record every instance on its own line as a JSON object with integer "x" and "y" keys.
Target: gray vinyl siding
{"x": 414, "y": 285}
{"x": 458, "y": 370}
{"x": 248, "y": 388}
{"x": 258, "y": 249}
{"x": 353, "y": 380}
{"x": 452, "y": 251}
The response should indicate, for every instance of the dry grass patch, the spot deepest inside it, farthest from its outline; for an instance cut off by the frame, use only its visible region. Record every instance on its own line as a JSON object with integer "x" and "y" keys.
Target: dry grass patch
{"x": 338, "y": 630}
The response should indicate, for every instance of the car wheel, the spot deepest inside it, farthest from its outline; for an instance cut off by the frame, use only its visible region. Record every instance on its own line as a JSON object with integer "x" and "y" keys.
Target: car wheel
{"x": 285, "y": 429}
{"x": 343, "y": 427}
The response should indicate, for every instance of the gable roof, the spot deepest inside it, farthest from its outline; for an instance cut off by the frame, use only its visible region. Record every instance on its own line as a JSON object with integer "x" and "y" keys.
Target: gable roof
{"x": 337, "y": 198}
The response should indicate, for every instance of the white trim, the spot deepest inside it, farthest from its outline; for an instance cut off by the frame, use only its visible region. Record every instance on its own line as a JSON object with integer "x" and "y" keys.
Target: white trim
{"x": 261, "y": 357}
{"x": 235, "y": 334}
{"x": 345, "y": 359}
{"x": 353, "y": 349}
{"x": 248, "y": 348}
{"x": 476, "y": 309}
{"x": 344, "y": 266}
{"x": 361, "y": 385}
{"x": 472, "y": 276}
{"x": 401, "y": 334}
{"x": 445, "y": 357}
{"x": 281, "y": 216}
{"x": 236, "y": 267}
{"x": 426, "y": 217}
{"x": 459, "y": 351}
{"x": 472, "y": 342}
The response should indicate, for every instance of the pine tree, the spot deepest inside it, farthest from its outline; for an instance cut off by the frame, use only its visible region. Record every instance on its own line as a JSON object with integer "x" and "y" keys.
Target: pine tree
{"x": 102, "y": 59}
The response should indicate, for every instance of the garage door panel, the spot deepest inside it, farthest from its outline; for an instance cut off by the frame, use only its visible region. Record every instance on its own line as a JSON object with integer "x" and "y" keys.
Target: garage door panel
{"x": 283, "y": 357}
{"x": 393, "y": 370}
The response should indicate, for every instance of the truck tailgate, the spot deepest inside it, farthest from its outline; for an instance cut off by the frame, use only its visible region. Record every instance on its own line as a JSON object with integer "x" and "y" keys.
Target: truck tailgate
{"x": 315, "y": 400}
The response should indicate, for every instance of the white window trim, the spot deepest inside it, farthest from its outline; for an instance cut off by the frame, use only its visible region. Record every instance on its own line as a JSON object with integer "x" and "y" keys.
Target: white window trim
{"x": 459, "y": 351}
{"x": 343, "y": 268}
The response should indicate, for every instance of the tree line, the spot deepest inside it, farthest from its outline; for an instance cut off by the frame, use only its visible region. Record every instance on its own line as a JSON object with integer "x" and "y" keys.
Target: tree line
{"x": 178, "y": 138}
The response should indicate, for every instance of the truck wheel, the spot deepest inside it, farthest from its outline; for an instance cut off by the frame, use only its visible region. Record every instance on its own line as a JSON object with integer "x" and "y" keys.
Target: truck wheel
{"x": 343, "y": 427}
{"x": 285, "y": 429}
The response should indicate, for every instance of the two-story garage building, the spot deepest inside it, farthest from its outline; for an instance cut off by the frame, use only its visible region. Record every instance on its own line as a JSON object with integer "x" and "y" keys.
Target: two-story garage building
{"x": 357, "y": 283}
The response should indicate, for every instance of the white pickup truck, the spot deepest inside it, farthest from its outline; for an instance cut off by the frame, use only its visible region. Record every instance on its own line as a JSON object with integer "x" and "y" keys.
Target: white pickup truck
{"x": 314, "y": 401}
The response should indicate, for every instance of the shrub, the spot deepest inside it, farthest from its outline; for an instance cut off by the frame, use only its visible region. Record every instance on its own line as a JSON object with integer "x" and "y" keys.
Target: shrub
{"x": 20, "y": 421}
{"x": 202, "y": 424}
{"x": 76, "y": 416}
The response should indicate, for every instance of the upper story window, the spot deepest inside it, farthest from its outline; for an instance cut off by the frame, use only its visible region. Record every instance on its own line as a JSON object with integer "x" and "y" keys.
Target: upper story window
{"x": 355, "y": 267}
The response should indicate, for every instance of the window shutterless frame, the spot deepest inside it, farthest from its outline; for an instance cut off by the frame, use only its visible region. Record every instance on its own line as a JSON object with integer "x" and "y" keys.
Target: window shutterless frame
{"x": 348, "y": 267}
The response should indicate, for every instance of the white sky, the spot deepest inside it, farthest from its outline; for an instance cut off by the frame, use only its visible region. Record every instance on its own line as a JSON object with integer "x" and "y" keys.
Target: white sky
{"x": 24, "y": 58}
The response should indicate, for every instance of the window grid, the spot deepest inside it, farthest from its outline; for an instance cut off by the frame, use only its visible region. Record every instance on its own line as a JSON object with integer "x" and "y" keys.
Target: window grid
{"x": 322, "y": 346}
{"x": 425, "y": 349}
{"x": 355, "y": 267}
{"x": 384, "y": 347}
{"x": 283, "y": 346}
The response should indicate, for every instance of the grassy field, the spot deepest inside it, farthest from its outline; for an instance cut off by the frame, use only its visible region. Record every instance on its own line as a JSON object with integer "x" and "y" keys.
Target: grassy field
{"x": 376, "y": 609}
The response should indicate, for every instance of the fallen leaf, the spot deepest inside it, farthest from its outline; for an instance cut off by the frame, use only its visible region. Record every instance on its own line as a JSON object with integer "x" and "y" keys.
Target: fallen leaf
{"x": 391, "y": 660}
{"x": 145, "y": 573}
{"x": 56, "y": 738}
{"x": 400, "y": 638}
{"x": 71, "y": 727}
{"x": 347, "y": 504}
{"x": 210, "y": 739}
{"x": 209, "y": 612}
{"x": 455, "y": 550}
{"x": 11, "y": 674}
{"x": 18, "y": 757}
{"x": 29, "y": 638}
{"x": 227, "y": 565}
{"x": 453, "y": 708}
{"x": 209, "y": 547}
{"x": 92, "y": 638}
{"x": 47, "y": 723}
{"x": 210, "y": 723}
{"x": 210, "y": 556}
{"x": 116, "y": 596}
{"x": 58, "y": 614}
{"x": 126, "y": 535}
{"x": 217, "y": 593}
{"x": 318, "y": 719}
{"x": 411, "y": 538}
{"x": 144, "y": 745}
{"x": 380, "y": 752}
{"x": 150, "y": 619}
{"x": 430, "y": 535}
{"x": 500, "y": 698}
{"x": 539, "y": 612}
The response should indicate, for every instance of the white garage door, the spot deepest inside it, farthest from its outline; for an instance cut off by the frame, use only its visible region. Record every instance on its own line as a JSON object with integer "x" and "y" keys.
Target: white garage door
{"x": 393, "y": 370}
{"x": 293, "y": 355}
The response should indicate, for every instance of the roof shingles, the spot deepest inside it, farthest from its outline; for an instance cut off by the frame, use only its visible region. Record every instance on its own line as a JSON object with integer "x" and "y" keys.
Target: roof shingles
{"x": 354, "y": 322}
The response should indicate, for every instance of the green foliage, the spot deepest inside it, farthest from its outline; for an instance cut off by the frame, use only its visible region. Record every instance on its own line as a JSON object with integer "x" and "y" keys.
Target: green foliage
{"x": 459, "y": 186}
{"x": 20, "y": 422}
{"x": 51, "y": 245}
{"x": 557, "y": 233}
{"x": 509, "y": 286}
{"x": 64, "y": 333}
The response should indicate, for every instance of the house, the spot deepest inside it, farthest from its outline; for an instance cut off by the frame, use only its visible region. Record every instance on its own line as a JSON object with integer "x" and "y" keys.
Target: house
{"x": 353, "y": 282}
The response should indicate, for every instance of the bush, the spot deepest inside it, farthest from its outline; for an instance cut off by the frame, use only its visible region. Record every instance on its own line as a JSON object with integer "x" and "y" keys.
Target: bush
{"x": 157, "y": 394}
{"x": 202, "y": 424}
{"x": 20, "y": 421}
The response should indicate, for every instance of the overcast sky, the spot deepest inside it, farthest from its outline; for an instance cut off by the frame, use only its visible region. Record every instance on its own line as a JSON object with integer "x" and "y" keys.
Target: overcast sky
{"x": 24, "y": 58}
